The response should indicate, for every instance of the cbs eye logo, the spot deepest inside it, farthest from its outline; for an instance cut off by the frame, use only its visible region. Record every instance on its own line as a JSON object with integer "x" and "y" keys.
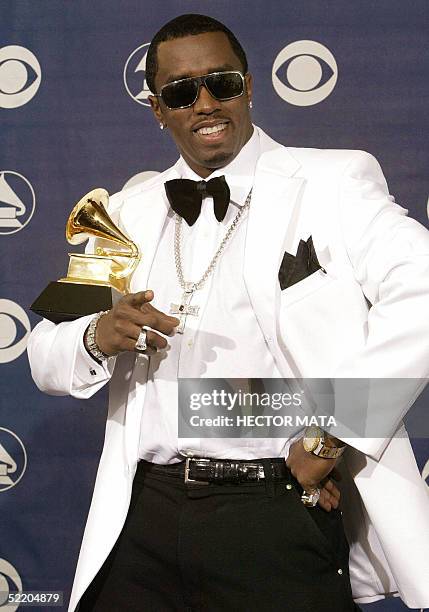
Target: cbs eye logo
{"x": 135, "y": 75}
{"x": 20, "y": 76}
{"x": 10, "y": 582}
{"x": 14, "y": 330}
{"x": 309, "y": 73}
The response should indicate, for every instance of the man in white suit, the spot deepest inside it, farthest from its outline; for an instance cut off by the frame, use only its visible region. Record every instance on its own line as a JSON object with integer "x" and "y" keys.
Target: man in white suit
{"x": 219, "y": 524}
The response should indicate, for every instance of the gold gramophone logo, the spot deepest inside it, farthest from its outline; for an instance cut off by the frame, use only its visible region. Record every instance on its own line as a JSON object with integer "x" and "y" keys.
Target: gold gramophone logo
{"x": 106, "y": 266}
{"x": 97, "y": 278}
{"x": 13, "y": 459}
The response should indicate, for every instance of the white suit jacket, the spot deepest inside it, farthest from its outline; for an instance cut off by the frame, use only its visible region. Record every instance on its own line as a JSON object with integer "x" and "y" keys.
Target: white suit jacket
{"x": 319, "y": 327}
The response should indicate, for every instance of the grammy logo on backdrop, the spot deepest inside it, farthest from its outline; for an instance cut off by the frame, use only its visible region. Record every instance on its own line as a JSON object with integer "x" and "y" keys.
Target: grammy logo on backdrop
{"x": 94, "y": 281}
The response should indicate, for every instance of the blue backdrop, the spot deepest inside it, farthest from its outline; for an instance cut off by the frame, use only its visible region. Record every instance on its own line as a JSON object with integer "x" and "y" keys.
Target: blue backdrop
{"x": 74, "y": 116}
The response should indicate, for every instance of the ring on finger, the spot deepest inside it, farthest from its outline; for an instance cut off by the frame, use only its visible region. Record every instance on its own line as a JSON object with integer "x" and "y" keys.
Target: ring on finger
{"x": 310, "y": 498}
{"x": 141, "y": 343}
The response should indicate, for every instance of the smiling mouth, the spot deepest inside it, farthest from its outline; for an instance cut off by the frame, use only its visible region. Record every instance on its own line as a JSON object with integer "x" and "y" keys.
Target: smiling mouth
{"x": 212, "y": 130}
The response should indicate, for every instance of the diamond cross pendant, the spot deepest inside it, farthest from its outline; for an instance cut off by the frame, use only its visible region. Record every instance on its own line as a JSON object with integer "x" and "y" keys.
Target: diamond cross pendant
{"x": 184, "y": 308}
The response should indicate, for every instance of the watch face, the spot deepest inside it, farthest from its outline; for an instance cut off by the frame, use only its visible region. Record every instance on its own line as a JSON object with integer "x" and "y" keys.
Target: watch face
{"x": 311, "y": 438}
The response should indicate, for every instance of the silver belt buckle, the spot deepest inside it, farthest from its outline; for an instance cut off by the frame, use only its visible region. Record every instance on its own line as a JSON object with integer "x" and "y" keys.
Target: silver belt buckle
{"x": 259, "y": 469}
{"x": 187, "y": 468}
{"x": 260, "y": 473}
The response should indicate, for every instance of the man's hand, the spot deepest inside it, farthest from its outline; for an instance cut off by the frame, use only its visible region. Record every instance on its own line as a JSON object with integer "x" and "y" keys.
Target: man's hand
{"x": 118, "y": 330}
{"x": 312, "y": 471}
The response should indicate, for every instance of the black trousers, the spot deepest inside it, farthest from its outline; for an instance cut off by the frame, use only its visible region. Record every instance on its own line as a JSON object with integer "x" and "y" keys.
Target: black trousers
{"x": 223, "y": 547}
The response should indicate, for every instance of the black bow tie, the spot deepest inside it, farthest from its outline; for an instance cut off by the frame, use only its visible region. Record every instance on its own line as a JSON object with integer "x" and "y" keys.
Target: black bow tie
{"x": 185, "y": 197}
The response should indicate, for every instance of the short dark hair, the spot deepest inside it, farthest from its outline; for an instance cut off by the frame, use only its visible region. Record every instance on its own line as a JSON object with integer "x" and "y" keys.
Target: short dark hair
{"x": 187, "y": 25}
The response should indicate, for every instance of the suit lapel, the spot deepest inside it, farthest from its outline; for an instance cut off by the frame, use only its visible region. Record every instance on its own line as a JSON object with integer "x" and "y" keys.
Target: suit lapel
{"x": 271, "y": 229}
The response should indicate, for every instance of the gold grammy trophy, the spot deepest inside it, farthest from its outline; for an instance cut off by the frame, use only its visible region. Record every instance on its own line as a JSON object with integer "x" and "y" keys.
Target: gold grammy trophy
{"x": 94, "y": 281}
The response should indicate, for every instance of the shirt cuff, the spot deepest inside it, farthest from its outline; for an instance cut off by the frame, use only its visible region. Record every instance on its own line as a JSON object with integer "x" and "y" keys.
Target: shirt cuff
{"x": 89, "y": 371}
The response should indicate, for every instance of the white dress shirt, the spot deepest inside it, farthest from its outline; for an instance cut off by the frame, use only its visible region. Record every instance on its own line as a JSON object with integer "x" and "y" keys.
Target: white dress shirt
{"x": 223, "y": 341}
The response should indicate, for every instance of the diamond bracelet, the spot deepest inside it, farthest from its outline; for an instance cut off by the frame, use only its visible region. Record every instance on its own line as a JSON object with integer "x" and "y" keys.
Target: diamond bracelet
{"x": 90, "y": 343}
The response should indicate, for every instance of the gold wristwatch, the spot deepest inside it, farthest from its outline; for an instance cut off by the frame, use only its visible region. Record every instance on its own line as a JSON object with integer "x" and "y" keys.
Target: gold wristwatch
{"x": 317, "y": 442}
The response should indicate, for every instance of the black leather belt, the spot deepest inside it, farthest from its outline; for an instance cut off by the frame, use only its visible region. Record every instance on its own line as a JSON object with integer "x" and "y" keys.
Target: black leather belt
{"x": 203, "y": 471}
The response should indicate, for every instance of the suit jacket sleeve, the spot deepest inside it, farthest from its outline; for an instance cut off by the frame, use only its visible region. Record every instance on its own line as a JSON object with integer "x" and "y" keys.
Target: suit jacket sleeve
{"x": 59, "y": 362}
{"x": 389, "y": 253}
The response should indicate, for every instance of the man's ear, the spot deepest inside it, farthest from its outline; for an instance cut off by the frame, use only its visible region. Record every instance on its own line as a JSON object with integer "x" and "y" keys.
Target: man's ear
{"x": 156, "y": 108}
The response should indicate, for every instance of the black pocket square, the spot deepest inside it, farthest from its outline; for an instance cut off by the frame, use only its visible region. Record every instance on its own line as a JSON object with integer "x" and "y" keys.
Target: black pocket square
{"x": 295, "y": 268}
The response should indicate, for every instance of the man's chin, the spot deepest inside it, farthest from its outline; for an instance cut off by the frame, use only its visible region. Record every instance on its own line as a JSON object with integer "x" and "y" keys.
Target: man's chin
{"x": 218, "y": 160}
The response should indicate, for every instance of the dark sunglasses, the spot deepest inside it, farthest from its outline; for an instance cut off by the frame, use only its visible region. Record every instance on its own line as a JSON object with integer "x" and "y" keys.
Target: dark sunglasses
{"x": 184, "y": 92}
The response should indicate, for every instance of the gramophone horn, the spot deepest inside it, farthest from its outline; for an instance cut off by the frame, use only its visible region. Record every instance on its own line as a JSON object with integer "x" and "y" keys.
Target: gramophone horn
{"x": 90, "y": 218}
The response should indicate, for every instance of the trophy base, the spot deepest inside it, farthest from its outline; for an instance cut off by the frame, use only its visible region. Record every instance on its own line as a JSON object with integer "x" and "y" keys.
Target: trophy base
{"x": 66, "y": 301}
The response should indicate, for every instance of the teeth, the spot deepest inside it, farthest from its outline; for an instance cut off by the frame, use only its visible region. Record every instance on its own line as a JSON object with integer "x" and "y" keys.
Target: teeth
{"x": 212, "y": 130}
